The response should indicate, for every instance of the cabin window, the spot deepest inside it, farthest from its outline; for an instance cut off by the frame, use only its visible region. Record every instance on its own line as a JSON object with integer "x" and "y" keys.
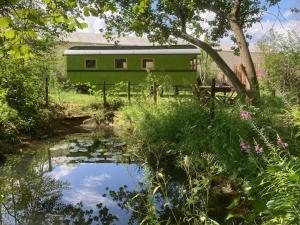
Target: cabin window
{"x": 121, "y": 63}
{"x": 148, "y": 64}
{"x": 90, "y": 63}
{"x": 193, "y": 64}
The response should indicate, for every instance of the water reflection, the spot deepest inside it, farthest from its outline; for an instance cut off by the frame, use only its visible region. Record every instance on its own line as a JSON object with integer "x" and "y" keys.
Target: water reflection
{"x": 61, "y": 186}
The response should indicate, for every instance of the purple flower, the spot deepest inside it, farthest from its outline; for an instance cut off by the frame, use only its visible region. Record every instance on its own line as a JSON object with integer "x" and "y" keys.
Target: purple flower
{"x": 245, "y": 115}
{"x": 244, "y": 146}
{"x": 280, "y": 143}
{"x": 258, "y": 149}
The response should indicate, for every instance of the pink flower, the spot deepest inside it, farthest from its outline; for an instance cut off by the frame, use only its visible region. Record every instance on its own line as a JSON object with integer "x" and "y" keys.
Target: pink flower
{"x": 244, "y": 146}
{"x": 280, "y": 143}
{"x": 258, "y": 149}
{"x": 245, "y": 115}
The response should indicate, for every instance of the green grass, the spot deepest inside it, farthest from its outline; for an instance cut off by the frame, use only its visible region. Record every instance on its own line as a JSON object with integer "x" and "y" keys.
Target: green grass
{"x": 72, "y": 97}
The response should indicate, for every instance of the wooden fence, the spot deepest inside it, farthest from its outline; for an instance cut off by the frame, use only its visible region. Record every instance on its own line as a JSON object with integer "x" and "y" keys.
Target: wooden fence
{"x": 206, "y": 93}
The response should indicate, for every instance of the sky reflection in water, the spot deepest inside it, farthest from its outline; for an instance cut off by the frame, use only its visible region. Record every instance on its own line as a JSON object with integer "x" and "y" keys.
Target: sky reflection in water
{"x": 88, "y": 183}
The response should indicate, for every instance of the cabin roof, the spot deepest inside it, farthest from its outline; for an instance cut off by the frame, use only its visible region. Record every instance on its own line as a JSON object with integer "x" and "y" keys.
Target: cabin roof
{"x": 135, "y": 50}
{"x": 129, "y": 47}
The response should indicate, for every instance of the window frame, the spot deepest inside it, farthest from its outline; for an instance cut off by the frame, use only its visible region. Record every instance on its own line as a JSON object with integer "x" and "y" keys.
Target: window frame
{"x": 193, "y": 67}
{"x": 120, "y": 68}
{"x": 142, "y": 64}
{"x": 86, "y": 59}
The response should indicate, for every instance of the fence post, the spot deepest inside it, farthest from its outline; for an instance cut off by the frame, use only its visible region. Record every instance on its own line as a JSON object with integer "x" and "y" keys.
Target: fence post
{"x": 49, "y": 161}
{"x": 176, "y": 90}
{"x": 273, "y": 92}
{"x": 128, "y": 92}
{"x": 213, "y": 96}
{"x": 47, "y": 91}
{"x": 104, "y": 95}
{"x": 154, "y": 92}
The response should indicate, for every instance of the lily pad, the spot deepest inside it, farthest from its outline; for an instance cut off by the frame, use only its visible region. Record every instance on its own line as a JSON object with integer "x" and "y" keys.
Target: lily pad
{"x": 119, "y": 145}
{"x": 79, "y": 159}
{"x": 74, "y": 150}
{"x": 102, "y": 150}
{"x": 105, "y": 140}
{"x": 91, "y": 160}
{"x": 107, "y": 154}
{"x": 96, "y": 154}
{"x": 85, "y": 143}
{"x": 83, "y": 150}
{"x": 127, "y": 155}
{"x": 57, "y": 147}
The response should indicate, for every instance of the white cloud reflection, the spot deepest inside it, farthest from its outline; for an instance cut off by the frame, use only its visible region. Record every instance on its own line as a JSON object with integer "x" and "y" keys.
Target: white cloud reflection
{"x": 62, "y": 171}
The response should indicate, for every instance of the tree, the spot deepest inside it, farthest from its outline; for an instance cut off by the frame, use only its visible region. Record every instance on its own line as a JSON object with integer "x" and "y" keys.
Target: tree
{"x": 167, "y": 20}
{"x": 281, "y": 61}
{"x": 26, "y": 24}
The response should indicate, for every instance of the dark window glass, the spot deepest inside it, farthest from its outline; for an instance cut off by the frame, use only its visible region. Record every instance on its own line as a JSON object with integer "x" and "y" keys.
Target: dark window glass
{"x": 148, "y": 64}
{"x": 90, "y": 64}
{"x": 121, "y": 63}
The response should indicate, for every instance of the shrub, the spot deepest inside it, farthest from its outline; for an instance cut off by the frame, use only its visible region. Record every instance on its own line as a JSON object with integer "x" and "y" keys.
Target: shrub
{"x": 248, "y": 143}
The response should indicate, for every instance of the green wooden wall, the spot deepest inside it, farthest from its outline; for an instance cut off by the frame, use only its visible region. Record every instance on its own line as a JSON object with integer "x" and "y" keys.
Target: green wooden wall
{"x": 176, "y": 67}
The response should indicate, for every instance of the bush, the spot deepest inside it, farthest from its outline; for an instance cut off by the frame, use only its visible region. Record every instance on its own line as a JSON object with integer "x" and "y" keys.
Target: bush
{"x": 8, "y": 119}
{"x": 23, "y": 81}
{"x": 258, "y": 167}
{"x": 281, "y": 61}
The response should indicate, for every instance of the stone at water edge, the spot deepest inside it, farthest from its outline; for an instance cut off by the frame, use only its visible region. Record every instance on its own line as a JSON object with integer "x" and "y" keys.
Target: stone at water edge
{"x": 90, "y": 123}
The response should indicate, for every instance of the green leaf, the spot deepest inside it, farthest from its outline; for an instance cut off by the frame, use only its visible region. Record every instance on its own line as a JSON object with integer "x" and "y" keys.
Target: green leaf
{"x": 230, "y": 215}
{"x": 259, "y": 205}
{"x": 60, "y": 19}
{"x": 234, "y": 203}
{"x": 82, "y": 25}
{"x": 4, "y": 22}
{"x": 86, "y": 11}
{"x": 93, "y": 12}
{"x": 10, "y": 34}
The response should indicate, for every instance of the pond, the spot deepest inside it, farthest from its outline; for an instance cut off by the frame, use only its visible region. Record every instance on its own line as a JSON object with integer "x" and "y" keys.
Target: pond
{"x": 79, "y": 180}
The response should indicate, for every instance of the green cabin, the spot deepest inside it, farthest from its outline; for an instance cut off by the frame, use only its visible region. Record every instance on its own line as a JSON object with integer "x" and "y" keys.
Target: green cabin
{"x": 113, "y": 64}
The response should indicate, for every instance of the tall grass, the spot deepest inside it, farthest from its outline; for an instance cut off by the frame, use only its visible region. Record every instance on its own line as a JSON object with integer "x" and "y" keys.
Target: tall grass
{"x": 262, "y": 181}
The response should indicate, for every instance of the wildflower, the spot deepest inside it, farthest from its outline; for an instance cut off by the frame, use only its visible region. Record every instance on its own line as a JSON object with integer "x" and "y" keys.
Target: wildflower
{"x": 280, "y": 143}
{"x": 244, "y": 146}
{"x": 245, "y": 115}
{"x": 258, "y": 149}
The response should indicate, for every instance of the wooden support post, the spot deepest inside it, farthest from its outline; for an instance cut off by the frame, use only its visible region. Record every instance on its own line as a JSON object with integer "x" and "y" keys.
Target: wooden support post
{"x": 128, "y": 92}
{"x": 273, "y": 92}
{"x": 213, "y": 96}
{"x": 50, "y": 161}
{"x": 47, "y": 91}
{"x": 176, "y": 89}
{"x": 154, "y": 92}
{"x": 104, "y": 95}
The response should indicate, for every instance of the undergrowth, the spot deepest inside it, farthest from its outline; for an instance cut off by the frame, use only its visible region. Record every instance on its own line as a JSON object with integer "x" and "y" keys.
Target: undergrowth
{"x": 257, "y": 180}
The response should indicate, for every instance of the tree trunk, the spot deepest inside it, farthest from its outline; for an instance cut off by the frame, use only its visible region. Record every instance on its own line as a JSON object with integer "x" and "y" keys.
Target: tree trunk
{"x": 220, "y": 62}
{"x": 244, "y": 50}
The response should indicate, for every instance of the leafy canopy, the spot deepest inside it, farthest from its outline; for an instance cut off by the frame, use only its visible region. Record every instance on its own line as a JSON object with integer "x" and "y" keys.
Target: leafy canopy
{"x": 161, "y": 20}
{"x": 25, "y": 23}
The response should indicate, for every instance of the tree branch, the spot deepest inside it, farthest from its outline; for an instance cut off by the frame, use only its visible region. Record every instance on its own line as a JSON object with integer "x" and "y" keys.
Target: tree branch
{"x": 218, "y": 60}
